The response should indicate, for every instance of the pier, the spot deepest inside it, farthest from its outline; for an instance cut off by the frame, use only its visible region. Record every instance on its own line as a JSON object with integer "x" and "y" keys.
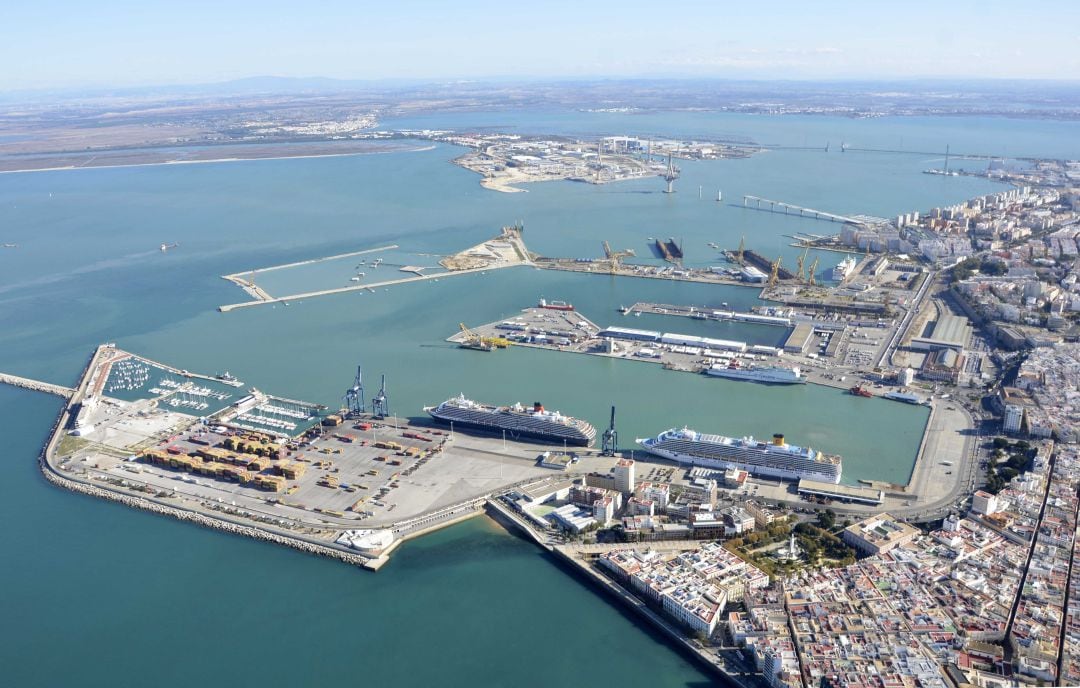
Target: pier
{"x": 36, "y": 385}
{"x": 353, "y": 288}
{"x": 503, "y": 251}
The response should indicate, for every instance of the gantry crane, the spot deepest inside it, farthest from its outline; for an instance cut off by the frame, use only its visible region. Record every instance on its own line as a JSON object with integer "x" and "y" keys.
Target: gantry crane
{"x": 800, "y": 263}
{"x": 354, "y": 396}
{"x": 380, "y": 404}
{"x": 774, "y": 275}
{"x": 610, "y": 438}
{"x": 615, "y": 257}
{"x": 811, "y": 277}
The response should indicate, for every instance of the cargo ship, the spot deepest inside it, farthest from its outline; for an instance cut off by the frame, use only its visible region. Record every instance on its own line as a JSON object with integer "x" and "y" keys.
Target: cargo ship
{"x": 860, "y": 391}
{"x": 776, "y": 459}
{"x": 555, "y": 305}
{"x": 517, "y": 421}
{"x": 845, "y": 268}
{"x": 770, "y": 375}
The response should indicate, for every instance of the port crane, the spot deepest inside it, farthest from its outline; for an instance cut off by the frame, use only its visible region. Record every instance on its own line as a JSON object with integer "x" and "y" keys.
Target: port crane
{"x": 800, "y": 262}
{"x": 742, "y": 247}
{"x": 473, "y": 340}
{"x": 811, "y": 277}
{"x": 380, "y": 404}
{"x": 609, "y": 441}
{"x": 615, "y": 257}
{"x": 774, "y": 275}
{"x": 354, "y": 396}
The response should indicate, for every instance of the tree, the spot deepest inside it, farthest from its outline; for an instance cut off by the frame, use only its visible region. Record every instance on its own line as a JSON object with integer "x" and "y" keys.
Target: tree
{"x": 827, "y": 519}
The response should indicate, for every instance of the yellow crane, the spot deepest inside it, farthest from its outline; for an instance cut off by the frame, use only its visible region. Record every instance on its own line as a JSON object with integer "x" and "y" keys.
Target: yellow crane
{"x": 810, "y": 277}
{"x": 615, "y": 257}
{"x": 742, "y": 247}
{"x": 473, "y": 340}
{"x": 799, "y": 263}
{"x": 774, "y": 276}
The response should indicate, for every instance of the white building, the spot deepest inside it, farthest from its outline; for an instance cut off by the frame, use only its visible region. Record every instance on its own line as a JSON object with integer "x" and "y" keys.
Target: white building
{"x": 658, "y": 493}
{"x": 907, "y": 376}
{"x": 368, "y": 542}
{"x": 573, "y": 518}
{"x": 624, "y": 476}
{"x": 984, "y": 503}
{"x": 1014, "y": 418}
{"x": 604, "y": 510}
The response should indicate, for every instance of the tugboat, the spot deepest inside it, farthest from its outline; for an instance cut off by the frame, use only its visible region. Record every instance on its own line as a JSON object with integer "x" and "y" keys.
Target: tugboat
{"x": 860, "y": 391}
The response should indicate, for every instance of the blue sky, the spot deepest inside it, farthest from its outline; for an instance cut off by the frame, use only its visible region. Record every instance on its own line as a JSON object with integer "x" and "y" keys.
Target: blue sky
{"x": 74, "y": 43}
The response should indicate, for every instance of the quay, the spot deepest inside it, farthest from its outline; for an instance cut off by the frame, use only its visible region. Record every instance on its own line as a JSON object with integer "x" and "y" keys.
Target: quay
{"x": 601, "y": 266}
{"x": 706, "y": 313}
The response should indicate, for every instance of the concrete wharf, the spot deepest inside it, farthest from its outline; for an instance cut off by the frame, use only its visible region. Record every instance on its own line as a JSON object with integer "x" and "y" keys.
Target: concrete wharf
{"x": 706, "y": 313}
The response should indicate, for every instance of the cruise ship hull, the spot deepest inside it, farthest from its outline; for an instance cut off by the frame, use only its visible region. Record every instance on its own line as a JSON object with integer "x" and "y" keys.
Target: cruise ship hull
{"x": 498, "y": 423}
{"x": 724, "y": 464}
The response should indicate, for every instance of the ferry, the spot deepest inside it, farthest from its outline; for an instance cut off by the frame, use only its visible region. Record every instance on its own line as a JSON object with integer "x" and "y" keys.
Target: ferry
{"x": 844, "y": 269}
{"x": 774, "y": 375}
{"x": 907, "y": 398}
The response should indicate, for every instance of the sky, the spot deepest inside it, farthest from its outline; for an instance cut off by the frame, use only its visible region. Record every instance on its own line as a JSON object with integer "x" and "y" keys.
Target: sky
{"x": 76, "y": 43}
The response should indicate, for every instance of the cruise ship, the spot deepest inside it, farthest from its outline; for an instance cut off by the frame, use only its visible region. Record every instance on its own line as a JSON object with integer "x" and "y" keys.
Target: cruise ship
{"x": 777, "y": 459}
{"x": 772, "y": 375}
{"x": 517, "y": 421}
{"x": 845, "y": 268}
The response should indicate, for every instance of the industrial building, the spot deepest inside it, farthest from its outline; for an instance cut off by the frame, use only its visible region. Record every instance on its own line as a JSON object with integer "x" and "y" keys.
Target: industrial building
{"x": 799, "y": 339}
{"x": 879, "y": 534}
{"x": 950, "y": 332}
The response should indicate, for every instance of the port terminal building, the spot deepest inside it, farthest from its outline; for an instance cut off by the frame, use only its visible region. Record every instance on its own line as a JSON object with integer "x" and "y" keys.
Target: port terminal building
{"x": 842, "y": 493}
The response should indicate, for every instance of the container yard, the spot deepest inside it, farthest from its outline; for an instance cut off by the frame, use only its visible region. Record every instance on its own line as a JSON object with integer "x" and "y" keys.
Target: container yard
{"x": 310, "y": 474}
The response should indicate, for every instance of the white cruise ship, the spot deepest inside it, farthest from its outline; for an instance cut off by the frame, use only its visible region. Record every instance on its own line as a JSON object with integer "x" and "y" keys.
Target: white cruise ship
{"x": 845, "y": 268}
{"x": 773, "y": 375}
{"x": 777, "y": 459}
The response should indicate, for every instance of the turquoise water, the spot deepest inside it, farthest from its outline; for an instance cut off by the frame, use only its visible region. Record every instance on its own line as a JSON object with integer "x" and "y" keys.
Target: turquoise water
{"x": 97, "y": 591}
